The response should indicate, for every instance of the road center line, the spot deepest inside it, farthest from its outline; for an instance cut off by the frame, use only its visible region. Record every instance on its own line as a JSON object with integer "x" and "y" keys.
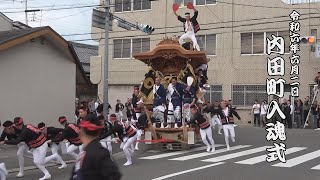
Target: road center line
{"x": 187, "y": 171}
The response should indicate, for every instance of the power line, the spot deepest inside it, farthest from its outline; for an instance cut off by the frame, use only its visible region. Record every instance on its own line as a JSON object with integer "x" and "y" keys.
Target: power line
{"x": 203, "y": 24}
{"x": 49, "y": 6}
{"x": 63, "y": 8}
{"x": 252, "y": 30}
{"x": 261, "y": 6}
{"x": 67, "y": 15}
{"x": 173, "y": 26}
{"x": 259, "y": 19}
{"x": 113, "y": 5}
{"x": 213, "y": 24}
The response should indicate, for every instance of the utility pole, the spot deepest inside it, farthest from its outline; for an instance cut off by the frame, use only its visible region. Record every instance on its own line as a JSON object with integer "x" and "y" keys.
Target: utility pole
{"x": 103, "y": 20}
{"x": 106, "y": 61}
{"x": 26, "y": 13}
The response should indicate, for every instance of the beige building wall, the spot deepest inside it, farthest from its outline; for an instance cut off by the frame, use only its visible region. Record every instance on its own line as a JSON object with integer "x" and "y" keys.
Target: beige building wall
{"x": 37, "y": 83}
{"x": 227, "y": 20}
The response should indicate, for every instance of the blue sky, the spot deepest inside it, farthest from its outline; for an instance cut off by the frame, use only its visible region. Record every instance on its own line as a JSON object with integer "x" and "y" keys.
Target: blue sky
{"x": 68, "y": 21}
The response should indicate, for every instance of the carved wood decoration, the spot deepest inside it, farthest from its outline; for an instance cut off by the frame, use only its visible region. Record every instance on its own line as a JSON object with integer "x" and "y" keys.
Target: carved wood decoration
{"x": 169, "y": 58}
{"x": 169, "y": 48}
{"x": 168, "y": 55}
{"x": 169, "y": 41}
{"x": 169, "y": 66}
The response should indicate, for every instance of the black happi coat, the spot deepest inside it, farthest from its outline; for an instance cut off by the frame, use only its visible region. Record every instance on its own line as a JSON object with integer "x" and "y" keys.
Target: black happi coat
{"x": 71, "y": 133}
{"x": 30, "y": 135}
{"x": 96, "y": 164}
{"x": 193, "y": 20}
{"x": 201, "y": 121}
{"x": 4, "y": 135}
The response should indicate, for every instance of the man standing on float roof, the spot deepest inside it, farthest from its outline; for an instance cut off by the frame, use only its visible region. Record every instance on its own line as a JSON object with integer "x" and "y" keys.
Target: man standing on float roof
{"x": 191, "y": 27}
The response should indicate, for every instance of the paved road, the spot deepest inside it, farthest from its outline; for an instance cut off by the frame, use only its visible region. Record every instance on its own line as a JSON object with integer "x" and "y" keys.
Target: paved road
{"x": 245, "y": 160}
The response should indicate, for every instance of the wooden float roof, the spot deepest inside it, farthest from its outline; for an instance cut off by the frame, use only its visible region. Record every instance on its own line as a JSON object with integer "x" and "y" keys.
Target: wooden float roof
{"x": 171, "y": 49}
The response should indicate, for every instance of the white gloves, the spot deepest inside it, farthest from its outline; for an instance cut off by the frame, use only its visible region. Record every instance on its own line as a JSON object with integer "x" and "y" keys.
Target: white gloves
{"x": 114, "y": 140}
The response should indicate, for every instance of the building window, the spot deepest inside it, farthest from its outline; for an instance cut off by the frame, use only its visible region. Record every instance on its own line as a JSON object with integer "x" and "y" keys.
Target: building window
{"x": 118, "y": 5}
{"x": 140, "y": 45}
{"x": 213, "y": 94}
{"x": 135, "y": 5}
{"x": 245, "y": 95}
{"x": 252, "y": 43}
{"x": 246, "y": 43}
{"x": 122, "y": 5}
{"x": 208, "y": 43}
{"x": 284, "y": 34}
{"x": 141, "y": 5}
{"x": 121, "y": 48}
{"x": 124, "y": 48}
{"x": 204, "y": 2}
{"x": 314, "y": 32}
{"x": 196, "y": 2}
{"x": 256, "y": 42}
{"x": 299, "y": 1}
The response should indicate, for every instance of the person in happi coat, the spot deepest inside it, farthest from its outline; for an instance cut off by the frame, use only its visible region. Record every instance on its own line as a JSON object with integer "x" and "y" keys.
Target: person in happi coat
{"x": 70, "y": 133}
{"x": 175, "y": 93}
{"x": 159, "y": 100}
{"x": 191, "y": 27}
{"x": 141, "y": 124}
{"x": 10, "y": 132}
{"x": 106, "y": 142}
{"x": 188, "y": 99}
{"x": 51, "y": 132}
{"x": 127, "y": 134}
{"x": 205, "y": 127}
{"x": 37, "y": 142}
{"x": 135, "y": 103}
{"x": 215, "y": 112}
{"x": 94, "y": 162}
{"x": 118, "y": 110}
{"x": 227, "y": 120}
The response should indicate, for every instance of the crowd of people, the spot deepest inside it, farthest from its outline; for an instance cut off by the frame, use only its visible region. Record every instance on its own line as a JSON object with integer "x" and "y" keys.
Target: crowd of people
{"x": 84, "y": 142}
{"x": 296, "y": 113}
{"x": 89, "y": 139}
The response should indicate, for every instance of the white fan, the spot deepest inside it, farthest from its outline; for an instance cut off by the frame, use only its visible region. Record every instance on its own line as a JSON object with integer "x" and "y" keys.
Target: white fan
{"x": 170, "y": 89}
{"x": 140, "y": 102}
{"x": 190, "y": 80}
{"x": 160, "y": 108}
